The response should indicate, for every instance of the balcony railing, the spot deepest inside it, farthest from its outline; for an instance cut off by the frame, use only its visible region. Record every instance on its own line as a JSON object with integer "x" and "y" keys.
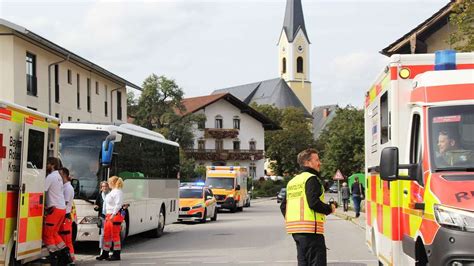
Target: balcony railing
{"x": 224, "y": 155}
{"x": 221, "y": 133}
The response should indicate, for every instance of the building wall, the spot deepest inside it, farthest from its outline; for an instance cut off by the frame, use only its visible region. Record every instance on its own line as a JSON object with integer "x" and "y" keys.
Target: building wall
{"x": 250, "y": 129}
{"x": 13, "y": 81}
{"x": 438, "y": 40}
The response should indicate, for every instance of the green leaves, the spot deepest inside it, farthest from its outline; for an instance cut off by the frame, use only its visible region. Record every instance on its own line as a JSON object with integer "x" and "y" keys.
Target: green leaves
{"x": 462, "y": 19}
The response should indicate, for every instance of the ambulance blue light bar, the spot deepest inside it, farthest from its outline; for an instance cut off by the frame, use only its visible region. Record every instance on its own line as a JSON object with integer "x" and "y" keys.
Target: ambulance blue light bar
{"x": 445, "y": 60}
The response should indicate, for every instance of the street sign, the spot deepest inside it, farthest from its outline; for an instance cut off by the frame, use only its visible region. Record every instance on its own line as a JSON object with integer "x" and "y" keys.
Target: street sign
{"x": 338, "y": 176}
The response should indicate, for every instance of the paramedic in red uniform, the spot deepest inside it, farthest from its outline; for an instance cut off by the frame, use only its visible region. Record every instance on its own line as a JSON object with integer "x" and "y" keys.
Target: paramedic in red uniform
{"x": 55, "y": 211}
{"x": 113, "y": 219}
{"x": 66, "y": 227}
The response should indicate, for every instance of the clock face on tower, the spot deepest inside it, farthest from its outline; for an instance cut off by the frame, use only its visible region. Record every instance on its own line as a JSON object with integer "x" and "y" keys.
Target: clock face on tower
{"x": 300, "y": 49}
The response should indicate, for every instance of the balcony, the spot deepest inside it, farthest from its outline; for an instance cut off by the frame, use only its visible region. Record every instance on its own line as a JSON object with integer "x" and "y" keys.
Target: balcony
{"x": 221, "y": 133}
{"x": 224, "y": 155}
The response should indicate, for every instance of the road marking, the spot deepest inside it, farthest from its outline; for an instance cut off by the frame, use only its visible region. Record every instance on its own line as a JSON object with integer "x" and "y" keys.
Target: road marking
{"x": 285, "y": 261}
{"x": 178, "y": 263}
{"x": 250, "y": 262}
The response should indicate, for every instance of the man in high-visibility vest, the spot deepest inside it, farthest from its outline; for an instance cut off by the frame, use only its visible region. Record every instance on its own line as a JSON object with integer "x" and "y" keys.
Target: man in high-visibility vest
{"x": 305, "y": 210}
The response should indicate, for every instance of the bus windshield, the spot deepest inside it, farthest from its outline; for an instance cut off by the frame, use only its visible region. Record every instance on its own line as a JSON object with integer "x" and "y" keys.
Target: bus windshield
{"x": 80, "y": 153}
{"x": 220, "y": 182}
{"x": 452, "y": 138}
{"x": 190, "y": 193}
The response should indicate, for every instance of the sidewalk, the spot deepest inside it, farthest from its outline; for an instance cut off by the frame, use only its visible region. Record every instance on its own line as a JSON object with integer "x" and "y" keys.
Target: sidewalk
{"x": 350, "y": 216}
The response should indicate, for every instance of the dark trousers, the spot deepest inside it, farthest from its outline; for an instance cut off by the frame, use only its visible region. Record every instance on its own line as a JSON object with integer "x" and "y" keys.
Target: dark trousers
{"x": 311, "y": 249}
{"x": 356, "y": 200}
{"x": 345, "y": 203}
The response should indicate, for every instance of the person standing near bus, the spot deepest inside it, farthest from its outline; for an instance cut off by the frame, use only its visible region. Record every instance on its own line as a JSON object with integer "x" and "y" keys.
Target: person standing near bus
{"x": 100, "y": 208}
{"x": 305, "y": 210}
{"x": 113, "y": 219}
{"x": 66, "y": 227}
{"x": 55, "y": 211}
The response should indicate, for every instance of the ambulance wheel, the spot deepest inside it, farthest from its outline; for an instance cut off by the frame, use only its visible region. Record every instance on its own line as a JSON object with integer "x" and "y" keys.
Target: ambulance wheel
{"x": 158, "y": 232}
{"x": 204, "y": 217}
{"x": 214, "y": 218}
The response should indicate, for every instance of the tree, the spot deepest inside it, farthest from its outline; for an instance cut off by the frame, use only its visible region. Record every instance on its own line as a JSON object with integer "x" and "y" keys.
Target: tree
{"x": 462, "y": 18}
{"x": 283, "y": 146}
{"x": 342, "y": 143}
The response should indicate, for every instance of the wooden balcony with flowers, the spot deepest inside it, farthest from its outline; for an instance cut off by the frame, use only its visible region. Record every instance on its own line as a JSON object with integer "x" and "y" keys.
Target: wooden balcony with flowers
{"x": 224, "y": 155}
{"x": 221, "y": 133}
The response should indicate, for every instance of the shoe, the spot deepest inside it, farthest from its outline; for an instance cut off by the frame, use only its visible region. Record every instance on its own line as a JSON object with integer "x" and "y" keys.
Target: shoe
{"x": 103, "y": 256}
{"x": 64, "y": 256}
{"x": 115, "y": 256}
{"x": 357, "y": 215}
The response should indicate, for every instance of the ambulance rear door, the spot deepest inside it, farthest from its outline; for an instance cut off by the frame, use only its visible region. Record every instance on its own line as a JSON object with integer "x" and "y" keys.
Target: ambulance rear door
{"x": 31, "y": 195}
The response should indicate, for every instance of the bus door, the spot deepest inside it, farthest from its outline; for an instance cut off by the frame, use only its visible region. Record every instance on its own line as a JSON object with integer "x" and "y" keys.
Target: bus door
{"x": 31, "y": 194}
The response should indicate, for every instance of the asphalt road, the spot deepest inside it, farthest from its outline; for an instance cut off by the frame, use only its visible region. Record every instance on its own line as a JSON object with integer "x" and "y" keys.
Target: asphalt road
{"x": 255, "y": 236}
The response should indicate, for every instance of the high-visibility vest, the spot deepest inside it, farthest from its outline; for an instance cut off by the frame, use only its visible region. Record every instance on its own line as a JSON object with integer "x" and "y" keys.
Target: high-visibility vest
{"x": 300, "y": 218}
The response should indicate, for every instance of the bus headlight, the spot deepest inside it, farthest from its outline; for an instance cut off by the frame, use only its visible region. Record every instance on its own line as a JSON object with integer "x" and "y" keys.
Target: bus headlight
{"x": 454, "y": 218}
{"x": 89, "y": 220}
{"x": 200, "y": 205}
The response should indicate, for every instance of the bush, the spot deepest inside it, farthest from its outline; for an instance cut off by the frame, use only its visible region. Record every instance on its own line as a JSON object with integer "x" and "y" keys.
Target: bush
{"x": 268, "y": 188}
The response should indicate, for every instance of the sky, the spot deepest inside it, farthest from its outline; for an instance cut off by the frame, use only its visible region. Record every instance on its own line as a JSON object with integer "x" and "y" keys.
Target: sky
{"x": 207, "y": 45}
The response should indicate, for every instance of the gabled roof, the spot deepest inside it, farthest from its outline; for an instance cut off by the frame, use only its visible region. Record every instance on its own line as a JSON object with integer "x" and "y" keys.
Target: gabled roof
{"x": 420, "y": 32}
{"x": 322, "y": 115}
{"x": 274, "y": 92}
{"x": 197, "y": 103}
{"x": 28, "y": 35}
{"x": 294, "y": 20}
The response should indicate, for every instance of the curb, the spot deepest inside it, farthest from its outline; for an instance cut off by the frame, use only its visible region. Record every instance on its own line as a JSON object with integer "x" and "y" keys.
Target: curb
{"x": 350, "y": 219}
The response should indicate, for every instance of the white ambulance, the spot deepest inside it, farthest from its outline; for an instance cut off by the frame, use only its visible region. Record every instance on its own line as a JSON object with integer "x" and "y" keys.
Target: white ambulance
{"x": 27, "y": 138}
{"x": 419, "y": 153}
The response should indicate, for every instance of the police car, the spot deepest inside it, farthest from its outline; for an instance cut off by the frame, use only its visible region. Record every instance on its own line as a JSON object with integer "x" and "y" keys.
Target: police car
{"x": 196, "y": 203}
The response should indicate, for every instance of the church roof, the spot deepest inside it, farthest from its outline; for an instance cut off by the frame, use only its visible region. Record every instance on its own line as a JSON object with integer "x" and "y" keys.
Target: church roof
{"x": 274, "y": 92}
{"x": 294, "y": 20}
{"x": 197, "y": 103}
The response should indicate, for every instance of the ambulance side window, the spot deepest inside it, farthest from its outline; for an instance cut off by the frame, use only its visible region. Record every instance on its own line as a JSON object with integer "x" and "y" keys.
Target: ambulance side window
{"x": 35, "y": 153}
{"x": 384, "y": 119}
{"x": 415, "y": 146}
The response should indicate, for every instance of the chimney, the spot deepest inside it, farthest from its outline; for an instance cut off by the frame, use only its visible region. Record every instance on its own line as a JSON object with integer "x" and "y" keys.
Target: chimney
{"x": 326, "y": 112}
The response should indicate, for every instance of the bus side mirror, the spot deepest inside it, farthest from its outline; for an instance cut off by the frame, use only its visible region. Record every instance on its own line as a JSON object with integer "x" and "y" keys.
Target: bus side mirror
{"x": 75, "y": 185}
{"x": 107, "y": 152}
{"x": 237, "y": 187}
{"x": 389, "y": 164}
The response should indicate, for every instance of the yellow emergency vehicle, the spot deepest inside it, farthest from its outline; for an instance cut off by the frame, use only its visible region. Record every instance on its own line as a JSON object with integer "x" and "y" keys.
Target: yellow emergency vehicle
{"x": 27, "y": 138}
{"x": 229, "y": 185}
{"x": 196, "y": 203}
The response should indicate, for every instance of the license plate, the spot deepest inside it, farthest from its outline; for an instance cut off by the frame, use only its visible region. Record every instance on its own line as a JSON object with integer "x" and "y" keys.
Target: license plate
{"x": 183, "y": 212}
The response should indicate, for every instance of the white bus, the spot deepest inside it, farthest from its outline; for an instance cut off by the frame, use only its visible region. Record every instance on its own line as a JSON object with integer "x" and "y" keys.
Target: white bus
{"x": 145, "y": 160}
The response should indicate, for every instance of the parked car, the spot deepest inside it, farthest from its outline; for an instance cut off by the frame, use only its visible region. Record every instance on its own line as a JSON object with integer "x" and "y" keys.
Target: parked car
{"x": 281, "y": 195}
{"x": 333, "y": 188}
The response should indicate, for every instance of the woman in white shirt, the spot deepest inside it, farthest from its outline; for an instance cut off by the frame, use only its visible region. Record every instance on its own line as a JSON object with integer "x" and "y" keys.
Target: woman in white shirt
{"x": 113, "y": 220}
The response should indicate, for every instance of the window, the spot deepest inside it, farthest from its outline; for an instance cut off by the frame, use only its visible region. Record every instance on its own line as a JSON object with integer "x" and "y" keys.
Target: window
{"x": 97, "y": 87}
{"x": 31, "y": 88}
{"x": 56, "y": 115}
{"x": 236, "y": 122}
{"x": 219, "y": 144}
{"x": 253, "y": 170}
{"x": 56, "y": 83}
{"x": 69, "y": 119}
{"x": 89, "y": 95}
{"x": 35, "y": 157}
{"x": 283, "y": 69}
{"x": 106, "y": 108}
{"x": 78, "y": 91}
{"x": 384, "y": 119}
{"x": 236, "y": 145}
{"x": 219, "y": 121}
{"x": 252, "y": 145}
{"x": 299, "y": 64}
{"x": 201, "y": 144}
{"x": 201, "y": 124}
{"x": 119, "y": 105}
{"x": 415, "y": 146}
{"x": 69, "y": 76}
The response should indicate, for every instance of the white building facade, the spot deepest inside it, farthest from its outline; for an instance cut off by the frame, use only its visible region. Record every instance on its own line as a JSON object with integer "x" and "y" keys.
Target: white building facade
{"x": 233, "y": 133}
{"x": 43, "y": 76}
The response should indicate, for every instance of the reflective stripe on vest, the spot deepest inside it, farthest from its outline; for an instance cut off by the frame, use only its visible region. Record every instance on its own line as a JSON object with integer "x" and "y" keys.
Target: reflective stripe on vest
{"x": 300, "y": 218}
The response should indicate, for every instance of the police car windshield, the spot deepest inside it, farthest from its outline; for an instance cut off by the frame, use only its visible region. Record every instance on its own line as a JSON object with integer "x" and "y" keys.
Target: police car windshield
{"x": 220, "y": 182}
{"x": 190, "y": 193}
{"x": 79, "y": 152}
{"x": 452, "y": 138}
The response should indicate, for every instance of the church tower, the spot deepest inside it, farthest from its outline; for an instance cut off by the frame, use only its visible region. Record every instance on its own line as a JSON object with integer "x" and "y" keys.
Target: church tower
{"x": 293, "y": 51}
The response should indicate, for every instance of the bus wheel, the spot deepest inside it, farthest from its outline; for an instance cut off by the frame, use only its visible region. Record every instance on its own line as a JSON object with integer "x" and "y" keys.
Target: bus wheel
{"x": 158, "y": 232}
{"x": 204, "y": 217}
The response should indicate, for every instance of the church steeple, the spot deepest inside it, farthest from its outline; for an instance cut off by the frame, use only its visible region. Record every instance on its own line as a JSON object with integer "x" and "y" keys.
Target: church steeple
{"x": 294, "y": 20}
{"x": 293, "y": 47}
